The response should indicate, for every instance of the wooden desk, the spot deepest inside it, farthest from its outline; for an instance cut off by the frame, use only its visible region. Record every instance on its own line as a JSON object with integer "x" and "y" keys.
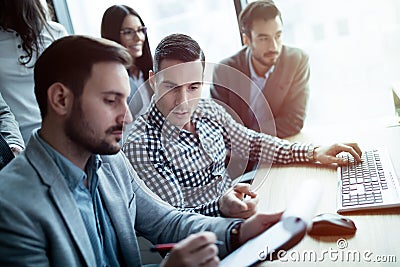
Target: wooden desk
{"x": 378, "y": 233}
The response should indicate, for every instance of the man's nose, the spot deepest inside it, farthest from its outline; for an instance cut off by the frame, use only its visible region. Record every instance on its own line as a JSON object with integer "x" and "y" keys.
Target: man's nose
{"x": 274, "y": 44}
{"x": 126, "y": 115}
{"x": 181, "y": 96}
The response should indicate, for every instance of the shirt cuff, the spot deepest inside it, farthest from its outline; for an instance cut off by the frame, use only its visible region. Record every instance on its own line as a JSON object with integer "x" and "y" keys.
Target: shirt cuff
{"x": 301, "y": 152}
{"x": 208, "y": 209}
{"x": 213, "y": 208}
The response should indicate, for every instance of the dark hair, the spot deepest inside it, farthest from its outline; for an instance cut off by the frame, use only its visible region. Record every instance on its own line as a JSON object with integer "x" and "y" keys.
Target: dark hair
{"x": 262, "y": 9}
{"x": 69, "y": 60}
{"x": 111, "y": 24}
{"x": 179, "y": 47}
{"x": 27, "y": 18}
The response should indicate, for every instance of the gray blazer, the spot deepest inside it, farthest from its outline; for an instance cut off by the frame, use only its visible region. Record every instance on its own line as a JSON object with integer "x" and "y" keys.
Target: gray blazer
{"x": 40, "y": 224}
{"x": 287, "y": 90}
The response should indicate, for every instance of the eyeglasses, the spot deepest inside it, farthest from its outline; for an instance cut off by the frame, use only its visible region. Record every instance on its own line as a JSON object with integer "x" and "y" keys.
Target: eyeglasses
{"x": 130, "y": 33}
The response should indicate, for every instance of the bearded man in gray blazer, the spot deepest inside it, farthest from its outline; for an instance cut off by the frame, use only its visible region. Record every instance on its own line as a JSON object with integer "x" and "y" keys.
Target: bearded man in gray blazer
{"x": 72, "y": 199}
{"x": 266, "y": 84}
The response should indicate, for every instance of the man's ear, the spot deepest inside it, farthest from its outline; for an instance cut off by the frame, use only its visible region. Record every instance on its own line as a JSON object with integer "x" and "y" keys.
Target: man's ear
{"x": 245, "y": 39}
{"x": 59, "y": 98}
{"x": 151, "y": 80}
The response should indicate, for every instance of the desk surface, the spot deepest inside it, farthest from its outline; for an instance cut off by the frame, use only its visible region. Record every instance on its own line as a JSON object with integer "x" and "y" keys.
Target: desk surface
{"x": 376, "y": 242}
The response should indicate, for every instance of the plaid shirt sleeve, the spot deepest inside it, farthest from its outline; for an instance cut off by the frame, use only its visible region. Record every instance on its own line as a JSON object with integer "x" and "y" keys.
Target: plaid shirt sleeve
{"x": 156, "y": 176}
{"x": 253, "y": 145}
{"x": 209, "y": 209}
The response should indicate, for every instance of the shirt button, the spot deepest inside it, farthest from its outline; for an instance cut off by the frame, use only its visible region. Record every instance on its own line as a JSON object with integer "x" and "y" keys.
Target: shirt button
{"x": 19, "y": 46}
{"x": 17, "y": 34}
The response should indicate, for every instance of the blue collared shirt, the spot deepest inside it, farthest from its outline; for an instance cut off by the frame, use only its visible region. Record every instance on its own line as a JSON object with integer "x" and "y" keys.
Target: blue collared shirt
{"x": 88, "y": 200}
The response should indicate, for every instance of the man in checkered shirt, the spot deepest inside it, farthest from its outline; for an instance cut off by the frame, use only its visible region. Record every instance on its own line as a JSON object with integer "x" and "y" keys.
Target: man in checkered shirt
{"x": 179, "y": 146}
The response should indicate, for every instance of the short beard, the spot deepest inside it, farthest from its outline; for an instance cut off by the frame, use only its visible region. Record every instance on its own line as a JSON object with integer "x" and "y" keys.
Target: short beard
{"x": 261, "y": 61}
{"x": 79, "y": 131}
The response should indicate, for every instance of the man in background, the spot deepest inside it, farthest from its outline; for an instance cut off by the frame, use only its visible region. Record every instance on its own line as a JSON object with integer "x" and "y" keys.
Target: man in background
{"x": 273, "y": 98}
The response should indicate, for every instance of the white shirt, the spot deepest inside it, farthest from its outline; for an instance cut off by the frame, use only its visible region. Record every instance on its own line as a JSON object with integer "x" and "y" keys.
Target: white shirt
{"x": 135, "y": 83}
{"x": 16, "y": 80}
{"x": 258, "y": 80}
{"x": 257, "y": 103}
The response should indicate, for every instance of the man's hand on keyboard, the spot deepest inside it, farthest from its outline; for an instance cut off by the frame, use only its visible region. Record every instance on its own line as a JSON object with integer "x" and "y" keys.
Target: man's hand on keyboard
{"x": 328, "y": 154}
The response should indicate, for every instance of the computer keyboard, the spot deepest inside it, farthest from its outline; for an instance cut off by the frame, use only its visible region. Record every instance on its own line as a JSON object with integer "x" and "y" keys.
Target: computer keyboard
{"x": 364, "y": 184}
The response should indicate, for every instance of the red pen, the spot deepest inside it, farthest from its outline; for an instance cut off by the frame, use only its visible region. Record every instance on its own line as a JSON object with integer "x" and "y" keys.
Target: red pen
{"x": 164, "y": 248}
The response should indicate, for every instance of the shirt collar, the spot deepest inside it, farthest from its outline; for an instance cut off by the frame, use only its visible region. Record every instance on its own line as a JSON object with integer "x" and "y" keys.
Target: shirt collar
{"x": 253, "y": 74}
{"x": 157, "y": 119}
{"x": 73, "y": 175}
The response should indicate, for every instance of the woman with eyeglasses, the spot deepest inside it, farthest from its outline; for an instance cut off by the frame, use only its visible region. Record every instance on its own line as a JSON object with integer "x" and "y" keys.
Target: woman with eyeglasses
{"x": 123, "y": 25}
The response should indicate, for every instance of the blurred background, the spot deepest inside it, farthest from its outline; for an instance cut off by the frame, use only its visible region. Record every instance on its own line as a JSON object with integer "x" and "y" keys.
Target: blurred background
{"x": 354, "y": 45}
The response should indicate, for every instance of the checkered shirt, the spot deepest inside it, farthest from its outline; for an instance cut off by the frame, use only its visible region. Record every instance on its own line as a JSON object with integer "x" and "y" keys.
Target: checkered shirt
{"x": 187, "y": 170}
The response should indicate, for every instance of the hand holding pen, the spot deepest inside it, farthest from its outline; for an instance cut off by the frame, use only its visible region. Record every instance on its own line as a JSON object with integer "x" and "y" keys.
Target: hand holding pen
{"x": 196, "y": 250}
